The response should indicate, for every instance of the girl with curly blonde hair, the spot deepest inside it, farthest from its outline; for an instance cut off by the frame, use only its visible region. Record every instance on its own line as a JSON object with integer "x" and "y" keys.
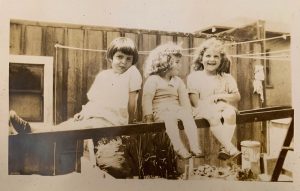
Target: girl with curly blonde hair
{"x": 165, "y": 98}
{"x": 213, "y": 91}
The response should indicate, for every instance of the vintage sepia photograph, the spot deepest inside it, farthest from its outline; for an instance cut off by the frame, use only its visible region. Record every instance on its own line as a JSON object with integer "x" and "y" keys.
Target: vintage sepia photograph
{"x": 150, "y": 92}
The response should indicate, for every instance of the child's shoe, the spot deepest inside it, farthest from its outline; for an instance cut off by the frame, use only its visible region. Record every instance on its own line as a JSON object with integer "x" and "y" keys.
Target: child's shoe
{"x": 236, "y": 154}
{"x": 183, "y": 154}
{"x": 20, "y": 125}
{"x": 225, "y": 155}
{"x": 197, "y": 153}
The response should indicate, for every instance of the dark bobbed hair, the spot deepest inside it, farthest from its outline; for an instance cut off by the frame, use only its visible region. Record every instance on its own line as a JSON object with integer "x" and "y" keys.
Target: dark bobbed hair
{"x": 211, "y": 43}
{"x": 124, "y": 45}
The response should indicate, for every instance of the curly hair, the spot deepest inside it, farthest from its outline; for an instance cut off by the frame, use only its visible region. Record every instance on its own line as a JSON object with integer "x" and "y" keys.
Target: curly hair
{"x": 217, "y": 45}
{"x": 159, "y": 59}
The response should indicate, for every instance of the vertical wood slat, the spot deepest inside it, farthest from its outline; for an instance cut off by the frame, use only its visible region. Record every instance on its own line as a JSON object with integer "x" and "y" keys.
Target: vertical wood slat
{"x": 93, "y": 61}
{"x": 257, "y": 128}
{"x": 232, "y": 50}
{"x": 186, "y": 60}
{"x": 110, "y": 37}
{"x": 59, "y": 34}
{"x": 165, "y": 38}
{"x": 75, "y": 60}
{"x": 135, "y": 38}
{"x": 244, "y": 76}
{"x": 196, "y": 43}
{"x": 33, "y": 40}
{"x": 15, "y": 39}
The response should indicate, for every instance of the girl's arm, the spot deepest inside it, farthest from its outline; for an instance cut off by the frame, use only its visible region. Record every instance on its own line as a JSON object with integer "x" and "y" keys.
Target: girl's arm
{"x": 232, "y": 95}
{"x": 227, "y": 97}
{"x": 192, "y": 81}
{"x": 132, "y": 105}
{"x": 183, "y": 96}
{"x": 147, "y": 108}
{"x": 135, "y": 84}
{"x": 149, "y": 91}
{"x": 194, "y": 98}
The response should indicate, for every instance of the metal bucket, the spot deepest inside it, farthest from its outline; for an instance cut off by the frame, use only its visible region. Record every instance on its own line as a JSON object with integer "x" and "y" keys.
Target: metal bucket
{"x": 251, "y": 155}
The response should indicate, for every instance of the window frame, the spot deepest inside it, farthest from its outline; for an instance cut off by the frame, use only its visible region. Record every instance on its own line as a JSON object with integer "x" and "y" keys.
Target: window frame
{"x": 47, "y": 62}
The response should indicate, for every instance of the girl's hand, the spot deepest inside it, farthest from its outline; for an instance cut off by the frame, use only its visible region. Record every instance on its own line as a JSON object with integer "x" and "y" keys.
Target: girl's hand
{"x": 148, "y": 118}
{"x": 213, "y": 99}
{"x": 216, "y": 98}
{"x": 78, "y": 117}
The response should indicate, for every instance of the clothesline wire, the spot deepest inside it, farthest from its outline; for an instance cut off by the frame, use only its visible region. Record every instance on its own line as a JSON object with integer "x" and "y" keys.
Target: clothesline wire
{"x": 270, "y": 52}
{"x": 256, "y": 57}
{"x": 142, "y": 52}
{"x": 248, "y": 56}
{"x": 186, "y": 55}
{"x": 278, "y": 53}
{"x": 251, "y": 41}
{"x": 262, "y": 58}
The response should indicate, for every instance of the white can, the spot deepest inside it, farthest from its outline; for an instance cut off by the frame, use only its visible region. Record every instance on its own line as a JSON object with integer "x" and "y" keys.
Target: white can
{"x": 251, "y": 155}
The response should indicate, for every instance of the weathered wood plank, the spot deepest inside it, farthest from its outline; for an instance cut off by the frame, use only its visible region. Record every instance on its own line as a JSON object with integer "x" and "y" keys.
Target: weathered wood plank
{"x": 59, "y": 63}
{"x": 139, "y": 64}
{"x": 93, "y": 61}
{"x": 15, "y": 39}
{"x": 33, "y": 40}
{"x": 186, "y": 60}
{"x": 244, "y": 82}
{"x": 232, "y": 50}
{"x": 74, "y": 82}
{"x": 165, "y": 38}
{"x": 28, "y": 143}
{"x": 139, "y": 128}
{"x": 110, "y": 37}
{"x": 257, "y": 129}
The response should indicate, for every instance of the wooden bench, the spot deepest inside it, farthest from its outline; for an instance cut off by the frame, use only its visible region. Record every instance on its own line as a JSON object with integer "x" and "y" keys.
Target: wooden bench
{"x": 245, "y": 116}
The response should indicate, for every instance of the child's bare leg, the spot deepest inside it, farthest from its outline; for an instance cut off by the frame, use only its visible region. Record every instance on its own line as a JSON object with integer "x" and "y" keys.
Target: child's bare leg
{"x": 173, "y": 133}
{"x": 229, "y": 116}
{"x": 221, "y": 133}
{"x": 72, "y": 124}
{"x": 184, "y": 139}
{"x": 191, "y": 131}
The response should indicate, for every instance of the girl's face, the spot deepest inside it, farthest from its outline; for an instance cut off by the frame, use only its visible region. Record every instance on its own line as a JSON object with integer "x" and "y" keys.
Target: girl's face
{"x": 211, "y": 60}
{"x": 175, "y": 65}
{"x": 121, "y": 62}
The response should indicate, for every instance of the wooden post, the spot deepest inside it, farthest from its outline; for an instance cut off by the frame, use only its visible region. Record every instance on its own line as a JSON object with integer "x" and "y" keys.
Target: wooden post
{"x": 261, "y": 34}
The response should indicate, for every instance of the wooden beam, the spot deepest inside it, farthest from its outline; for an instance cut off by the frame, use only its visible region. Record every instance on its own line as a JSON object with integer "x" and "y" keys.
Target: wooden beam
{"x": 140, "y": 128}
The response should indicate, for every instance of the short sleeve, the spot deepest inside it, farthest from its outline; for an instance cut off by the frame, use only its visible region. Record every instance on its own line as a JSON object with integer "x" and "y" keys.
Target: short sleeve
{"x": 135, "y": 81}
{"x": 149, "y": 91}
{"x": 181, "y": 85}
{"x": 231, "y": 84}
{"x": 192, "y": 84}
{"x": 150, "y": 85}
{"x": 96, "y": 85}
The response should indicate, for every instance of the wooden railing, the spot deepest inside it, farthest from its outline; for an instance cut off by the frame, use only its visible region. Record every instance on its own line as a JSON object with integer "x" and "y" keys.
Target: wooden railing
{"x": 246, "y": 116}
